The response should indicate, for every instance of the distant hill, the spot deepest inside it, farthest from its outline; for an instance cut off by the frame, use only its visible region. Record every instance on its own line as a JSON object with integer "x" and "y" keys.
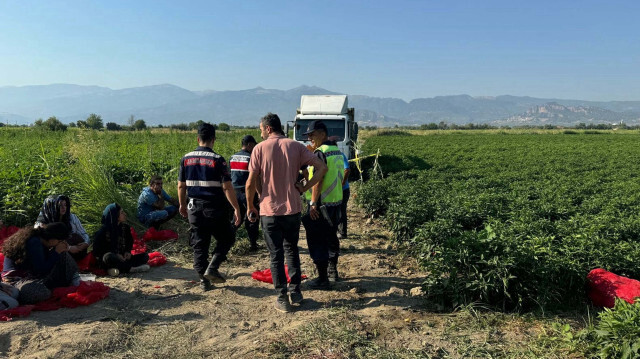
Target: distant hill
{"x": 557, "y": 114}
{"x": 168, "y": 104}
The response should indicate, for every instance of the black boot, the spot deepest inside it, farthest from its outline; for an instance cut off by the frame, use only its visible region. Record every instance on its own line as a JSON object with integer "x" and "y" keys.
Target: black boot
{"x": 205, "y": 285}
{"x": 322, "y": 282}
{"x": 212, "y": 273}
{"x": 332, "y": 271}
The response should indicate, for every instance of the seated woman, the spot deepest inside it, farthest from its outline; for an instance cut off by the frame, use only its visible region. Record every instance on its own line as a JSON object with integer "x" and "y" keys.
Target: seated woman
{"x": 36, "y": 261}
{"x": 58, "y": 209}
{"x": 113, "y": 242}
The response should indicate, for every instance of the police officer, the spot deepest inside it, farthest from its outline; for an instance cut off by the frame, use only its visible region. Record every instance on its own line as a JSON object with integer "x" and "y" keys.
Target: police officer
{"x": 204, "y": 179}
{"x": 239, "y": 164}
{"x": 324, "y": 202}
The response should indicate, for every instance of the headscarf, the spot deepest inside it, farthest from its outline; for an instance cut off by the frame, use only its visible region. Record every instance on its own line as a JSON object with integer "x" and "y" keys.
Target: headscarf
{"x": 110, "y": 220}
{"x": 51, "y": 210}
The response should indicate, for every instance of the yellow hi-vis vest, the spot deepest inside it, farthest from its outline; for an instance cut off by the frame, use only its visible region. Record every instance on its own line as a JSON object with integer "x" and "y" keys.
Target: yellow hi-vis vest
{"x": 331, "y": 194}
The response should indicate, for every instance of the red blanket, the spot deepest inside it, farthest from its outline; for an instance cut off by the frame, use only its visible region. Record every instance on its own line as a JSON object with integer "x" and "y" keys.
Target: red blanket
{"x": 605, "y": 287}
{"x": 67, "y": 297}
{"x": 153, "y": 234}
{"x": 265, "y": 275}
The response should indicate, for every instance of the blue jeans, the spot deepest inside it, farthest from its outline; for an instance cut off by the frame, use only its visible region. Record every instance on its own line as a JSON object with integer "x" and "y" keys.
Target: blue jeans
{"x": 159, "y": 215}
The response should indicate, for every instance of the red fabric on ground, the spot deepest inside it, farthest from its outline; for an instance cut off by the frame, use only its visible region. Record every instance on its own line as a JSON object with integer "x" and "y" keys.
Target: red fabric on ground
{"x": 138, "y": 245}
{"x": 156, "y": 259}
{"x": 66, "y": 297}
{"x": 153, "y": 234}
{"x": 1, "y": 260}
{"x": 265, "y": 275}
{"x": 605, "y": 286}
{"x": 90, "y": 264}
{"x": 21, "y": 311}
{"x": 7, "y": 231}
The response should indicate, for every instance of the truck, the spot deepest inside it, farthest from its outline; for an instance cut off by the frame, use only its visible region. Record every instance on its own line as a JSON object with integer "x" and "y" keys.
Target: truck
{"x": 335, "y": 113}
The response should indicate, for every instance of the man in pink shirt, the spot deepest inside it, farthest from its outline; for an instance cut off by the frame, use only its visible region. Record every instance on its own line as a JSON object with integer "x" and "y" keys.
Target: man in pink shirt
{"x": 274, "y": 167}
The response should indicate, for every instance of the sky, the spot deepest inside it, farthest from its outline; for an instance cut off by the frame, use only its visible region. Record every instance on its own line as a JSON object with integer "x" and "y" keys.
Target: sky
{"x": 588, "y": 50}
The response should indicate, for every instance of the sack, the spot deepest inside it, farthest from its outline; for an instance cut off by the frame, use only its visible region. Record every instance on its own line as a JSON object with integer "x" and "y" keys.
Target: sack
{"x": 605, "y": 287}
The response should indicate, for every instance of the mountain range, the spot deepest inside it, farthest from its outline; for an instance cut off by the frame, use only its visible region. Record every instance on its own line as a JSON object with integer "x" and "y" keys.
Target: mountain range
{"x": 169, "y": 104}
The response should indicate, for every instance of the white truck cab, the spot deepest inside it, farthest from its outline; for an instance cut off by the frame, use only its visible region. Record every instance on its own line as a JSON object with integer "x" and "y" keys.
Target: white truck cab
{"x": 334, "y": 112}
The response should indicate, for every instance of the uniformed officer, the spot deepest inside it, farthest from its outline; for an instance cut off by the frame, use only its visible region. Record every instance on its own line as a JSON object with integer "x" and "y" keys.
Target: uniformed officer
{"x": 239, "y": 164}
{"x": 324, "y": 202}
{"x": 204, "y": 179}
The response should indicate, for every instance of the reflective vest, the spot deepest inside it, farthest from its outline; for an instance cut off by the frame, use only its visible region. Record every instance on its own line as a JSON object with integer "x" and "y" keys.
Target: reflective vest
{"x": 331, "y": 193}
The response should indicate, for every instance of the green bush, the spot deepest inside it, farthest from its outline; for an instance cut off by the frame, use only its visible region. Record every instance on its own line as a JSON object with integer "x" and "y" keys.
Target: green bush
{"x": 617, "y": 334}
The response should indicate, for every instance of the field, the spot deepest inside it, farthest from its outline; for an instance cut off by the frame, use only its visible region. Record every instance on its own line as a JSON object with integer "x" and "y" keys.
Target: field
{"x": 501, "y": 228}
{"x": 510, "y": 221}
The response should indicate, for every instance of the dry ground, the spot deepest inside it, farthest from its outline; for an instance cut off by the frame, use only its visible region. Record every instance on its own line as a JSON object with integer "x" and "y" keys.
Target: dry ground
{"x": 163, "y": 314}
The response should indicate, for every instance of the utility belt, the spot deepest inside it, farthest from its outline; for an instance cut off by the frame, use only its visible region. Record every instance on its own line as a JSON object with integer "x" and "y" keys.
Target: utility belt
{"x": 199, "y": 202}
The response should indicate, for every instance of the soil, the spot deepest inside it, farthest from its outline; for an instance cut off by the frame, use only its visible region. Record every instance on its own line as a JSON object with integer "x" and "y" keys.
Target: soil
{"x": 163, "y": 313}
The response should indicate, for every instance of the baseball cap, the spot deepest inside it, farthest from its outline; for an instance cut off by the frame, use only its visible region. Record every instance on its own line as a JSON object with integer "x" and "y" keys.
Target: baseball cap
{"x": 316, "y": 125}
{"x": 248, "y": 139}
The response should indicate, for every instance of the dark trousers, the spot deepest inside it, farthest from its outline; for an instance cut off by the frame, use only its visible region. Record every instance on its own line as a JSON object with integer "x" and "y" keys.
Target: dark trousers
{"x": 253, "y": 228}
{"x": 322, "y": 237}
{"x": 342, "y": 227}
{"x": 111, "y": 260}
{"x": 206, "y": 221}
{"x": 281, "y": 235}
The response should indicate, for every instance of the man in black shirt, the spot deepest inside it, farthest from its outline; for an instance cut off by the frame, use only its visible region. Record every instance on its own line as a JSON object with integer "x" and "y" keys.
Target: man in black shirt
{"x": 239, "y": 164}
{"x": 204, "y": 179}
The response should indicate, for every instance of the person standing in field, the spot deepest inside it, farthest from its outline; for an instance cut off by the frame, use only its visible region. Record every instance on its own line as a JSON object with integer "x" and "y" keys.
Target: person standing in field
{"x": 346, "y": 193}
{"x": 324, "y": 201}
{"x": 151, "y": 204}
{"x": 239, "y": 164}
{"x": 204, "y": 191}
{"x": 274, "y": 166}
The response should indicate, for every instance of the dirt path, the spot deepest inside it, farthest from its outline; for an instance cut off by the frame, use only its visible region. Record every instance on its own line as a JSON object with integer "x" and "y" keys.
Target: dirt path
{"x": 163, "y": 313}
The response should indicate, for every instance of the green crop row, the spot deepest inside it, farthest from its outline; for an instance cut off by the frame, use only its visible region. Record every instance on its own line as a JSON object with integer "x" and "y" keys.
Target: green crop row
{"x": 511, "y": 220}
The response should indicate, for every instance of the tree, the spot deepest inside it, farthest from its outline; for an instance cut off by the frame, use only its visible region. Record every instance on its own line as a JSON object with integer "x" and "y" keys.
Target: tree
{"x": 112, "y": 126}
{"x": 82, "y": 124}
{"x": 52, "y": 124}
{"x": 139, "y": 125}
{"x": 94, "y": 121}
{"x": 429, "y": 126}
{"x": 224, "y": 127}
{"x": 195, "y": 125}
{"x": 72, "y": 124}
{"x": 131, "y": 120}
